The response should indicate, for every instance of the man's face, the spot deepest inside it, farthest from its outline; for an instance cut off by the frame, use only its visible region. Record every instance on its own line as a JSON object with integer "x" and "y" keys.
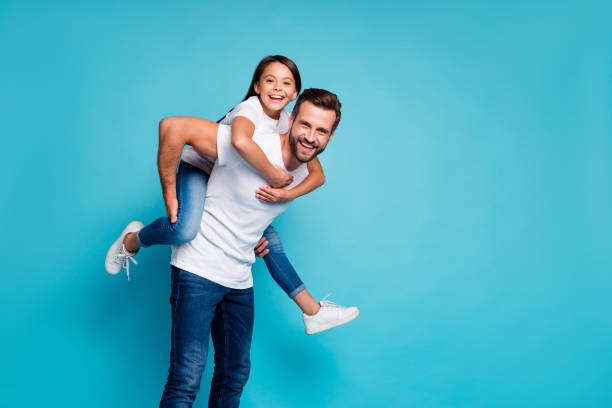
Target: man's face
{"x": 310, "y": 131}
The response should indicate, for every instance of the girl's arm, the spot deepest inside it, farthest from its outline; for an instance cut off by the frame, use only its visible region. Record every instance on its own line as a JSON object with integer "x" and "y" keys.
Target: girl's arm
{"x": 242, "y": 140}
{"x": 314, "y": 180}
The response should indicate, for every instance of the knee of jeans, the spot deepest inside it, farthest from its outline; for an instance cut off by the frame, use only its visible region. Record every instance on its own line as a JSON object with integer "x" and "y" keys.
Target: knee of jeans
{"x": 238, "y": 376}
{"x": 185, "y": 232}
{"x": 186, "y": 383}
{"x": 274, "y": 244}
{"x": 275, "y": 247}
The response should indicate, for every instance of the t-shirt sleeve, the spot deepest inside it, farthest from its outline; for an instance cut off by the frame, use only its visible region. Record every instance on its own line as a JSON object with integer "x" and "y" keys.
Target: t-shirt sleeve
{"x": 246, "y": 109}
{"x": 226, "y": 153}
{"x": 283, "y": 122}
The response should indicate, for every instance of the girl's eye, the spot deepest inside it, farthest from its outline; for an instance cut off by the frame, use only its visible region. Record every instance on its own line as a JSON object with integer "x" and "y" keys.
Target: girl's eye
{"x": 287, "y": 84}
{"x": 268, "y": 80}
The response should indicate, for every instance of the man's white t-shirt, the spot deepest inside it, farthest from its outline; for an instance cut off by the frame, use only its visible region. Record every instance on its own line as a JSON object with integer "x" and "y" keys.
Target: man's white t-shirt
{"x": 233, "y": 219}
{"x": 253, "y": 111}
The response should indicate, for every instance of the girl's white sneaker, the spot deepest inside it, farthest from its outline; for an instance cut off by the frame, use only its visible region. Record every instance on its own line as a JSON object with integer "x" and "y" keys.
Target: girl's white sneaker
{"x": 329, "y": 315}
{"x": 117, "y": 256}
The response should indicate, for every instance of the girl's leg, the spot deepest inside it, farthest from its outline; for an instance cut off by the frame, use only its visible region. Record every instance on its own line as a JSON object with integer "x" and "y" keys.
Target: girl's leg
{"x": 191, "y": 185}
{"x": 318, "y": 316}
{"x": 285, "y": 275}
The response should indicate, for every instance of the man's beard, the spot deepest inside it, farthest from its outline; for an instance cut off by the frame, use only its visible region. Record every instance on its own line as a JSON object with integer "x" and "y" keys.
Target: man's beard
{"x": 294, "y": 142}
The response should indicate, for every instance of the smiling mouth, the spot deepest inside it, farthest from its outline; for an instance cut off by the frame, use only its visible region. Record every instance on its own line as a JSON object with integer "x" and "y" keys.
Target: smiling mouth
{"x": 276, "y": 98}
{"x": 306, "y": 146}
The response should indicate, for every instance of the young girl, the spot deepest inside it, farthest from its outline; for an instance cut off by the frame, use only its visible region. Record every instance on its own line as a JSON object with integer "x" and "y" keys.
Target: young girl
{"x": 276, "y": 82}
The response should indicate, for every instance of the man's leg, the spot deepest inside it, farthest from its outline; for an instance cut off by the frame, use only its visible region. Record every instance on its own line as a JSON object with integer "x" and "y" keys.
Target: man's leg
{"x": 232, "y": 330}
{"x": 193, "y": 300}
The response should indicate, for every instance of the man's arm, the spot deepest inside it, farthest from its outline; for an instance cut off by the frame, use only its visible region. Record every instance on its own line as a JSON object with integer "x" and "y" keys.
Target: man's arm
{"x": 174, "y": 134}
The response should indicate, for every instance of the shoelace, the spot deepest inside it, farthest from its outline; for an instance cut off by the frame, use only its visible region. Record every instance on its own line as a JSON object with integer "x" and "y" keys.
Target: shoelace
{"x": 125, "y": 262}
{"x": 328, "y": 302}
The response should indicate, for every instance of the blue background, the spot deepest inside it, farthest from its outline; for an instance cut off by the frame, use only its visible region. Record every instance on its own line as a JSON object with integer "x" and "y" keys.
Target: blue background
{"x": 466, "y": 209}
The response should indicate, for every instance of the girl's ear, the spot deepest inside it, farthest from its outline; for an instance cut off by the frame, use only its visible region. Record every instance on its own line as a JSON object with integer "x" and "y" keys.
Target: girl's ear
{"x": 295, "y": 93}
{"x": 256, "y": 87}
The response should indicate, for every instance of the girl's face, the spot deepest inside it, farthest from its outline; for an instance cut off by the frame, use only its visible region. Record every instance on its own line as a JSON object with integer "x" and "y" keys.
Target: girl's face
{"x": 276, "y": 88}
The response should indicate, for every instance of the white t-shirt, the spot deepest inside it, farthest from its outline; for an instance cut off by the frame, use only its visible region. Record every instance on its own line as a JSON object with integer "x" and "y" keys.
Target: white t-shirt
{"x": 233, "y": 219}
{"x": 253, "y": 111}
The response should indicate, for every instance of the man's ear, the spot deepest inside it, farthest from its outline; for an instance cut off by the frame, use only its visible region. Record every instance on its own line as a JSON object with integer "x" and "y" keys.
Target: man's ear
{"x": 330, "y": 137}
{"x": 290, "y": 120}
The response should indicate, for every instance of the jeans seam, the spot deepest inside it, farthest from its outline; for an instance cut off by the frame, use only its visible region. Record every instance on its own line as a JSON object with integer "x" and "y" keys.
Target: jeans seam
{"x": 272, "y": 260}
{"x": 297, "y": 290}
{"x": 225, "y": 356}
{"x": 176, "y": 303}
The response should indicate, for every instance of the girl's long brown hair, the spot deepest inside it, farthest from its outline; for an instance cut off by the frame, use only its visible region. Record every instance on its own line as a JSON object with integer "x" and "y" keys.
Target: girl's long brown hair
{"x": 263, "y": 64}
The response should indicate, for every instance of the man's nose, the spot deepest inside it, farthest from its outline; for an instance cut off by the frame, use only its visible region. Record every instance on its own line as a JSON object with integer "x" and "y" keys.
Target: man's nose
{"x": 310, "y": 136}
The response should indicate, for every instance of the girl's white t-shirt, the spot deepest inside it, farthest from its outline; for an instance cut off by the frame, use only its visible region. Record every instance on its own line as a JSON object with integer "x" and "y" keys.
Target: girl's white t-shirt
{"x": 253, "y": 111}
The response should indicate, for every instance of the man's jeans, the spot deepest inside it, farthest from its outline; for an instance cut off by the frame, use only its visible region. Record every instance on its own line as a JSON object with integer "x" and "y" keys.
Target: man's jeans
{"x": 201, "y": 308}
{"x": 191, "y": 184}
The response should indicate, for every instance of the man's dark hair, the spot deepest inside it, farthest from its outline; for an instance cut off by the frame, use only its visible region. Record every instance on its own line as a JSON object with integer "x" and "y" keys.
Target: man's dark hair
{"x": 321, "y": 98}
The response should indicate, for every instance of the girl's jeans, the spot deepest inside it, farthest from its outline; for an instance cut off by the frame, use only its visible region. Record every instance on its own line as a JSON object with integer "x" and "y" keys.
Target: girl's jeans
{"x": 190, "y": 190}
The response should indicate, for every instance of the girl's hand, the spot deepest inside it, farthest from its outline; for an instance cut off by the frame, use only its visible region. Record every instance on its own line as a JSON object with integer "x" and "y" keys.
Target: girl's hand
{"x": 279, "y": 178}
{"x": 261, "y": 249}
{"x": 269, "y": 194}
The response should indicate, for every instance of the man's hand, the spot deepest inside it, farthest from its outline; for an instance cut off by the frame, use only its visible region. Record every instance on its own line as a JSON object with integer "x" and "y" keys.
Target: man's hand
{"x": 269, "y": 194}
{"x": 171, "y": 206}
{"x": 279, "y": 178}
{"x": 261, "y": 249}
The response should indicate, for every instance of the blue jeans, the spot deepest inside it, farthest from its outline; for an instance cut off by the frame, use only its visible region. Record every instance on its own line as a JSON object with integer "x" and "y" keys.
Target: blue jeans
{"x": 201, "y": 308}
{"x": 191, "y": 185}
{"x": 279, "y": 266}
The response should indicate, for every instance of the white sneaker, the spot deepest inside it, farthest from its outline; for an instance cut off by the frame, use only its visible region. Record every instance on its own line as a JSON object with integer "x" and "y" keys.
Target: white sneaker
{"x": 117, "y": 256}
{"x": 329, "y": 315}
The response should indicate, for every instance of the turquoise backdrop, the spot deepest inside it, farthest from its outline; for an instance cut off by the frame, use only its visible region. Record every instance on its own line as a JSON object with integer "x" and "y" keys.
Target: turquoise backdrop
{"x": 466, "y": 209}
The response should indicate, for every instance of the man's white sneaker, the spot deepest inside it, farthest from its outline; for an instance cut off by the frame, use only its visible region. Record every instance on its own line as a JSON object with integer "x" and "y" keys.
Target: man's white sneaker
{"x": 117, "y": 256}
{"x": 329, "y": 315}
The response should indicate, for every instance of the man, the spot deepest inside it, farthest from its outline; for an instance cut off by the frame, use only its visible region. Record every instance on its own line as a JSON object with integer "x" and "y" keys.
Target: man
{"x": 211, "y": 276}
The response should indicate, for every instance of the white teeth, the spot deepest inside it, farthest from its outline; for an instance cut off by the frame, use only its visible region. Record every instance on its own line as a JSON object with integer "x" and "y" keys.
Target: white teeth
{"x": 307, "y": 145}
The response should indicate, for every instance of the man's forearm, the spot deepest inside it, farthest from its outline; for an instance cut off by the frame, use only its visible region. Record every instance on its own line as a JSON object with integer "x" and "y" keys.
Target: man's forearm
{"x": 176, "y": 132}
{"x": 168, "y": 155}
